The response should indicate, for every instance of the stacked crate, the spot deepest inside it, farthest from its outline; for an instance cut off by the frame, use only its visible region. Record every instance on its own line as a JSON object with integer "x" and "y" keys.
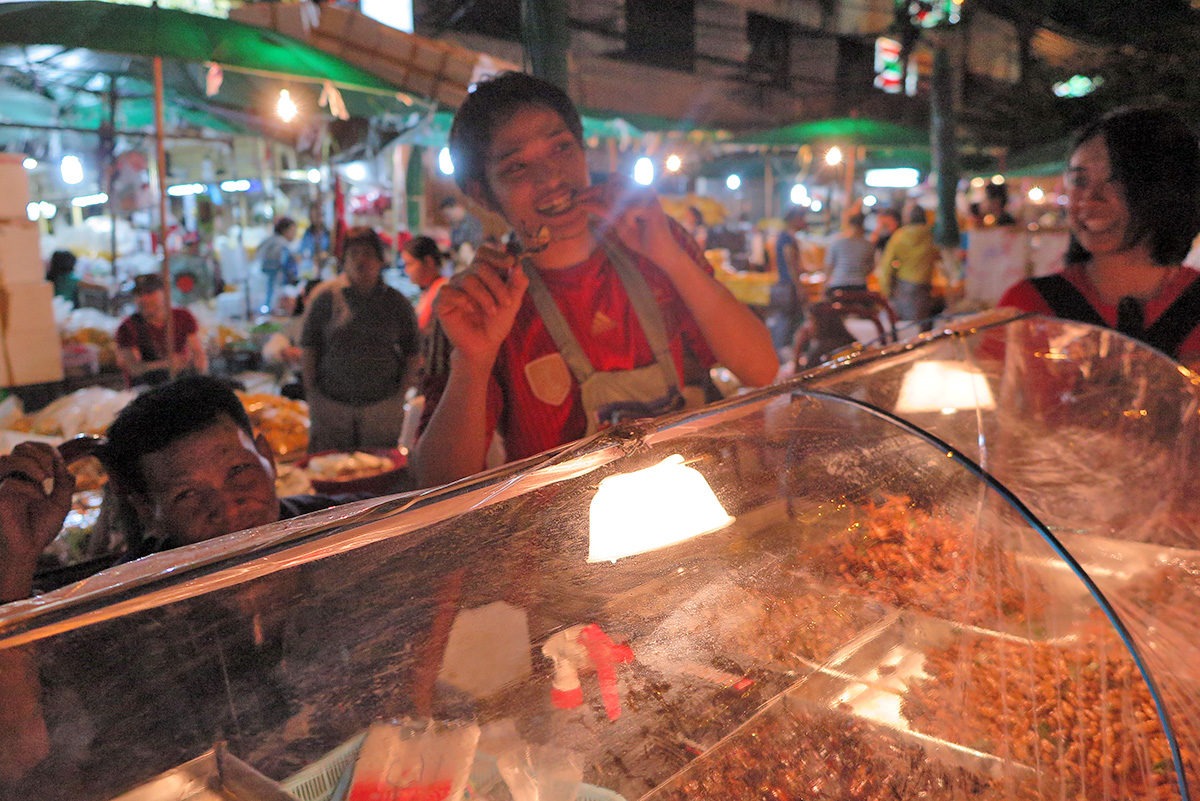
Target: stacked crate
{"x": 30, "y": 351}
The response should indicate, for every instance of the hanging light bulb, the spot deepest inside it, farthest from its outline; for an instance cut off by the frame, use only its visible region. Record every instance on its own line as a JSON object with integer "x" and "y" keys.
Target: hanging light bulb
{"x": 674, "y": 163}
{"x": 72, "y": 170}
{"x": 643, "y": 171}
{"x": 834, "y": 156}
{"x": 285, "y": 107}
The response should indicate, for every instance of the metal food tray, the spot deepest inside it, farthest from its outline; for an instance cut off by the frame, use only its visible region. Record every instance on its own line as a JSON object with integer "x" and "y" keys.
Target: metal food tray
{"x": 328, "y": 779}
{"x": 865, "y": 680}
{"x": 215, "y": 775}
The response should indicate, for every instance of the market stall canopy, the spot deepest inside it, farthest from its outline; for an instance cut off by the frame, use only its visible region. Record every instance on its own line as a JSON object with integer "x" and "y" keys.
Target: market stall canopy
{"x": 434, "y": 130}
{"x": 69, "y": 49}
{"x": 437, "y": 70}
{"x": 840, "y": 130}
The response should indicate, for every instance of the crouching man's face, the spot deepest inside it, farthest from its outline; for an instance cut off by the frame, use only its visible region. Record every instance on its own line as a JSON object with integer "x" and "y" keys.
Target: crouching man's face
{"x": 212, "y": 482}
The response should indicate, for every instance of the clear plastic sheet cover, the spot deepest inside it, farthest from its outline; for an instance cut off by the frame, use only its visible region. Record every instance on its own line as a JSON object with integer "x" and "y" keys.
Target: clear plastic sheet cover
{"x": 867, "y": 615}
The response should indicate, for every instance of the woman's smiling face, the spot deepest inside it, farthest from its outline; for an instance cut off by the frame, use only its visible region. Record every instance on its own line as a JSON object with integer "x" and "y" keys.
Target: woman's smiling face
{"x": 1097, "y": 211}
{"x": 535, "y": 169}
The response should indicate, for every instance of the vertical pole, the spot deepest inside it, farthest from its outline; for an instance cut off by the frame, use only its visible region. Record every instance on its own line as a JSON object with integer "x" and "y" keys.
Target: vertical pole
{"x": 161, "y": 151}
{"x": 768, "y": 189}
{"x": 944, "y": 146}
{"x": 546, "y": 39}
{"x": 111, "y": 165}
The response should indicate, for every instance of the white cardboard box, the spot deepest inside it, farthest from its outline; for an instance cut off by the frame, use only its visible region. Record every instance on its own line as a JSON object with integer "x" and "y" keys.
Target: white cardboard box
{"x": 20, "y": 252}
{"x": 14, "y": 187}
{"x": 30, "y": 304}
{"x": 31, "y": 356}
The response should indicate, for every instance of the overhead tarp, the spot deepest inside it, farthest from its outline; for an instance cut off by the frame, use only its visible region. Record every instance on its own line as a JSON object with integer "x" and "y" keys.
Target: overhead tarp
{"x": 153, "y": 31}
{"x": 858, "y": 131}
{"x": 80, "y": 54}
{"x": 439, "y": 71}
{"x": 434, "y": 130}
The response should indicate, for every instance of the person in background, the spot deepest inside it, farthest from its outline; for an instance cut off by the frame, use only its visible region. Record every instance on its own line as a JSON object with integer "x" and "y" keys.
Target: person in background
{"x": 423, "y": 262}
{"x": 694, "y": 224}
{"x": 607, "y": 313}
{"x": 906, "y": 268}
{"x": 995, "y": 206}
{"x": 314, "y": 242}
{"x": 1133, "y": 210}
{"x": 142, "y": 351}
{"x": 788, "y": 297}
{"x": 465, "y": 230}
{"x": 276, "y": 259}
{"x": 61, "y": 273}
{"x": 887, "y": 221}
{"x": 359, "y": 342}
{"x": 850, "y": 258}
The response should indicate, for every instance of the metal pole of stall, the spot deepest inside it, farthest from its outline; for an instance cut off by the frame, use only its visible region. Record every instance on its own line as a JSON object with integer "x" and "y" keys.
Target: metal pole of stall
{"x": 161, "y": 152}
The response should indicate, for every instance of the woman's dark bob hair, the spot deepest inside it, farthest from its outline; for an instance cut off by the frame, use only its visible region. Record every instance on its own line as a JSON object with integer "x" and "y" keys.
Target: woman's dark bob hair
{"x": 1155, "y": 159}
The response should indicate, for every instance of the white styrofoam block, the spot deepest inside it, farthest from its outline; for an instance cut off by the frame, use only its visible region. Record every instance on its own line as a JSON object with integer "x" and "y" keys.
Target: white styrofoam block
{"x": 30, "y": 305}
{"x": 20, "y": 252}
{"x": 14, "y": 187}
{"x": 33, "y": 354}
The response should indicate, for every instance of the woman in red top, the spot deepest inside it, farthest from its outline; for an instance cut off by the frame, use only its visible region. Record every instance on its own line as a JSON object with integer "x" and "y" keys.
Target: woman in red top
{"x": 423, "y": 263}
{"x": 1133, "y": 208}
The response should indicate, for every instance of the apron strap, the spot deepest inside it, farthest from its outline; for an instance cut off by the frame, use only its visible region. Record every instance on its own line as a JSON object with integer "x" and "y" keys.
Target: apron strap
{"x": 640, "y": 298}
{"x": 568, "y": 346}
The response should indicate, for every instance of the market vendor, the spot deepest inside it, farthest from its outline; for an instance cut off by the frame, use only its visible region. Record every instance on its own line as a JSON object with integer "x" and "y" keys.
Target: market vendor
{"x": 182, "y": 456}
{"x": 142, "y": 337}
{"x": 622, "y": 315}
{"x": 360, "y": 341}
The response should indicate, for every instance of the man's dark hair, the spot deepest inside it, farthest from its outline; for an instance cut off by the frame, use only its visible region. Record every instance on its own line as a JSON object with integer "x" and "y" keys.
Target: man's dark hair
{"x": 1154, "y": 156}
{"x": 364, "y": 235}
{"x": 996, "y": 192}
{"x": 917, "y": 216}
{"x": 284, "y": 223}
{"x": 795, "y": 213}
{"x": 162, "y": 415}
{"x": 491, "y": 104}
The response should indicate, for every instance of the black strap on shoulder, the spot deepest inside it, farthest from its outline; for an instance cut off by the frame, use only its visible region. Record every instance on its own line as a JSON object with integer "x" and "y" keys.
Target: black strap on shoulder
{"x": 1168, "y": 332}
{"x": 1180, "y": 319}
{"x": 1065, "y": 300}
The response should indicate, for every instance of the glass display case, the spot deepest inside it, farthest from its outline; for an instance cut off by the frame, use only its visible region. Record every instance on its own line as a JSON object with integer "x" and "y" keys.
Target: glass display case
{"x": 962, "y": 567}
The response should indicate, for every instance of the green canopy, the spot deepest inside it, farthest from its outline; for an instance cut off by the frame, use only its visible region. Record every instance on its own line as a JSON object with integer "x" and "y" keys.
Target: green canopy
{"x": 840, "y": 130}
{"x": 434, "y": 130}
{"x": 82, "y": 55}
{"x": 153, "y": 31}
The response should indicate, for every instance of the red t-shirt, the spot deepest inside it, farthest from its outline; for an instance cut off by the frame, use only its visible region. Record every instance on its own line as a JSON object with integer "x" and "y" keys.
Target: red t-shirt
{"x": 150, "y": 340}
{"x": 424, "y": 305}
{"x": 533, "y": 398}
{"x": 1025, "y": 297}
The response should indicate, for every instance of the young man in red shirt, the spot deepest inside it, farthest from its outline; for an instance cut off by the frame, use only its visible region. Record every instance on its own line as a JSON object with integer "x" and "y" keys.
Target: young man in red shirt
{"x": 609, "y": 312}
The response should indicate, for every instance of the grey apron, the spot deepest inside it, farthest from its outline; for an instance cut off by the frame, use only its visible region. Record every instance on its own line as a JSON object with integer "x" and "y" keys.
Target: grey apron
{"x": 610, "y": 397}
